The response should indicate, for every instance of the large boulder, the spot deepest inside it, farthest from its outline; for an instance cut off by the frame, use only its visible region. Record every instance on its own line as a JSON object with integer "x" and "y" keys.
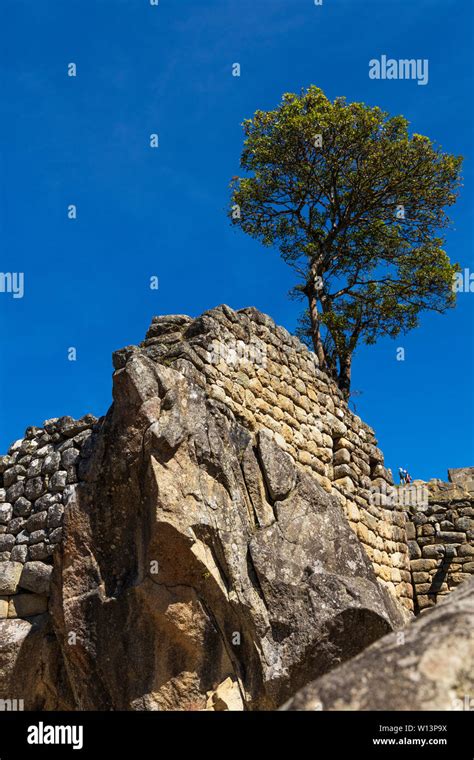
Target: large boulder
{"x": 198, "y": 562}
{"x": 427, "y": 666}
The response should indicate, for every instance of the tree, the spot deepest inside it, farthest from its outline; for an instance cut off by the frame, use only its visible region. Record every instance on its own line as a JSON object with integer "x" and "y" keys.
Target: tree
{"x": 356, "y": 206}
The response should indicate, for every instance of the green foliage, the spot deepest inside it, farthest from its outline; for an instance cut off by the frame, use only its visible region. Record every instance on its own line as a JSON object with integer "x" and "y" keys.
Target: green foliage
{"x": 355, "y": 205}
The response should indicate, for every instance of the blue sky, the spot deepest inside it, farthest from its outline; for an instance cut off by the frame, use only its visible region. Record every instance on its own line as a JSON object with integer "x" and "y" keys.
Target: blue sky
{"x": 144, "y": 212}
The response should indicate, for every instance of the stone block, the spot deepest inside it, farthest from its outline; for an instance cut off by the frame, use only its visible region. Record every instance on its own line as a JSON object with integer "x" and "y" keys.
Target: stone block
{"x": 27, "y": 605}
{"x": 423, "y": 565}
{"x": 342, "y": 471}
{"x": 456, "y": 578}
{"x": 433, "y": 551}
{"x": 345, "y": 484}
{"x": 38, "y": 551}
{"x": 464, "y": 523}
{"x": 421, "y": 577}
{"x": 342, "y": 456}
{"x": 36, "y": 577}
{"x": 352, "y": 511}
{"x": 451, "y": 537}
{"x": 10, "y": 573}
{"x": 7, "y": 542}
{"x": 3, "y": 607}
{"x": 34, "y": 488}
{"x": 414, "y": 550}
{"x": 19, "y": 553}
{"x": 22, "y": 507}
{"x": 6, "y": 512}
{"x": 37, "y": 521}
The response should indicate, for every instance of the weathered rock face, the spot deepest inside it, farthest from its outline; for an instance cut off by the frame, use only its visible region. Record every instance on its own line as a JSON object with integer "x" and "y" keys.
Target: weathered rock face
{"x": 429, "y": 666}
{"x": 193, "y": 554}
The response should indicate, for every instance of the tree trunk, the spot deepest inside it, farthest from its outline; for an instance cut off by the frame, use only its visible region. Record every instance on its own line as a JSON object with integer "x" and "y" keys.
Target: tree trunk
{"x": 315, "y": 326}
{"x": 344, "y": 378}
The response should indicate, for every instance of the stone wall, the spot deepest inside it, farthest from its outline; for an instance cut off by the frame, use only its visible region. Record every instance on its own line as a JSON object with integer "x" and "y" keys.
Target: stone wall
{"x": 36, "y": 477}
{"x": 440, "y": 538}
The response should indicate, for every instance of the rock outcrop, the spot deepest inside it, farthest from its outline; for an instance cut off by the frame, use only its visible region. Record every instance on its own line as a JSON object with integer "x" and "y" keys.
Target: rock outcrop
{"x": 427, "y": 666}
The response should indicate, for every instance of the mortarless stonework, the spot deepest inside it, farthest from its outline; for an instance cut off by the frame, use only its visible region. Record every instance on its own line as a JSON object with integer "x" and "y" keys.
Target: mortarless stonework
{"x": 440, "y": 538}
{"x": 36, "y": 478}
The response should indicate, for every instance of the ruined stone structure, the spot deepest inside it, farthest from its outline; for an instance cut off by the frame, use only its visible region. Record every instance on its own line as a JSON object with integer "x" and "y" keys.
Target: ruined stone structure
{"x": 234, "y": 508}
{"x": 440, "y": 538}
{"x": 270, "y": 381}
